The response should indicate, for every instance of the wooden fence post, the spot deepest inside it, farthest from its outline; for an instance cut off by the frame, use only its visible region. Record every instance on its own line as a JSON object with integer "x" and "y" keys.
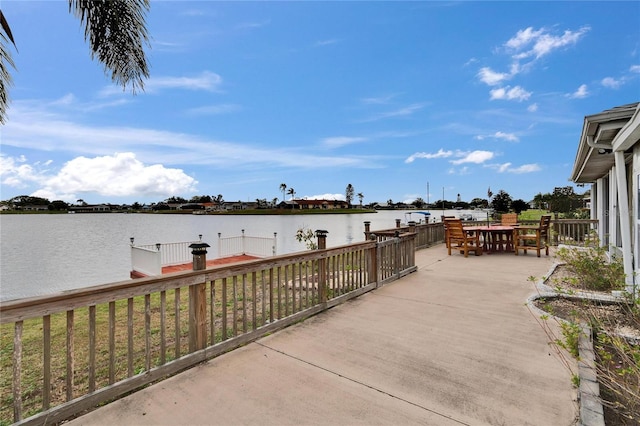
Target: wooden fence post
{"x": 322, "y": 266}
{"x": 198, "y": 301}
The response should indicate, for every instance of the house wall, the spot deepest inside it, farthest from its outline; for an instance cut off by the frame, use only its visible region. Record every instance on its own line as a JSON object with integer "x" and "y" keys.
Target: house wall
{"x": 634, "y": 206}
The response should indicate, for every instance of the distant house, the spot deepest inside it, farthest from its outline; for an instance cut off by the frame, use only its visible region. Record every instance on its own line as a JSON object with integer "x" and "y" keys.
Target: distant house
{"x": 290, "y": 205}
{"x": 321, "y": 204}
{"x": 35, "y": 208}
{"x": 608, "y": 159}
{"x": 239, "y": 205}
{"x": 192, "y": 206}
{"x": 94, "y": 208}
{"x": 382, "y": 206}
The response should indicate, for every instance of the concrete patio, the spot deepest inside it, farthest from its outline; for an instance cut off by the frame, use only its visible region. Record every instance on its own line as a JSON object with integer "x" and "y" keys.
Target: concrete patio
{"x": 451, "y": 344}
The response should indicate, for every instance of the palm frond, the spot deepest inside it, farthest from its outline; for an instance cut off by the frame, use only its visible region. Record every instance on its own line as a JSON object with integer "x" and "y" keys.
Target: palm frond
{"x": 117, "y": 35}
{"x": 6, "y": 62}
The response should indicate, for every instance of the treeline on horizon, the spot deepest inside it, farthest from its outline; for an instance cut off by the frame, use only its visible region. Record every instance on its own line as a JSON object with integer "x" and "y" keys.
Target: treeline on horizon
{"x": 561, "y": 200}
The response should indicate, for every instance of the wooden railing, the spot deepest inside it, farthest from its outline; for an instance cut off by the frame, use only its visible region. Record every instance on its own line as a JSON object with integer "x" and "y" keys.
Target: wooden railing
{"x": 427, "y": 234}
{"x": 66, "y": 353}
{"x": 574, "y": 231}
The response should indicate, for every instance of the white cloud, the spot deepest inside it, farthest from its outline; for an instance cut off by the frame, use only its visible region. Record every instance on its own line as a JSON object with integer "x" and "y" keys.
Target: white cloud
{"x": 511, "y": 137}
{"x": 538, "y": 43}
{"x": 525, "y": 48}
{"x": 39, "y": 125}
{"x": 507, "y": 168}
{"x": 16, "y": 173}
{"x": 119, "y": 175}
{"x": 440, "y": 154}
{"x": 490, "y": 77}
{"x": 506, "y": 93}
{"x": 580, "y": 93}
{"x": 338, "y": 141}
{"x": 214, "y": 109}
{"x": 611, "y": 82}
{"x": 206, "y": 81}
{"x": 523, "y": 38}
{"x": 400, "y": 112}
{"x": 532, "y": 108}
{"x": 326, "y": 42}
{"x": 506, "y": 136}
{"x": 380, "y": 100}
{"x": 634, "y": 68}
{"x": 476, "y": 157}
{"x": 526, "y": 168}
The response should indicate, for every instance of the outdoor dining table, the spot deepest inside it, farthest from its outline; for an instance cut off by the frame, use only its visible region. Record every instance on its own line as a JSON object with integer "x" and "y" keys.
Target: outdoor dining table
{"x": 492, "y": 237}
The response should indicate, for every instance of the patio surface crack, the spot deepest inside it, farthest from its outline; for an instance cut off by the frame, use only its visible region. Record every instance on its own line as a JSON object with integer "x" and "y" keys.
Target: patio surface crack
{"x": 363, "y": 384}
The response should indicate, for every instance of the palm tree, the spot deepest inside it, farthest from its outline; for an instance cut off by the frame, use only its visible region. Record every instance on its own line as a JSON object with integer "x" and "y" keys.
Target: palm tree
{"x": 283, "y": 188}
{"x": 117, "y": 33}
{"x": 360, "y": 197}
{"x": 291, "y": 192}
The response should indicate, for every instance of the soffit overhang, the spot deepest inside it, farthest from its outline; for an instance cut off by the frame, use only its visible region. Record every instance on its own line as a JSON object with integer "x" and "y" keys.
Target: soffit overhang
{"x": 600, "y": 134}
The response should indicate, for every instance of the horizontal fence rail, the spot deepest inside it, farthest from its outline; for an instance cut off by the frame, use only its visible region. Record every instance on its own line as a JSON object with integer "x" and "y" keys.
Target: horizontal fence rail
{"x": 74, "y": 351}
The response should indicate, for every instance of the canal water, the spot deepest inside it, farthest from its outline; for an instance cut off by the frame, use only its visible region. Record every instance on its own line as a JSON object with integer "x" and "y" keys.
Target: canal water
{"x": 45, "y": 254}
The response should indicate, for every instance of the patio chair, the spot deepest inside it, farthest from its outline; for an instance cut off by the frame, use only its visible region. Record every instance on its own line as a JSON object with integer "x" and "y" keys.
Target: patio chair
{"x": 532, "y": 238}
{"x": 446, "y": 231}
{"x": 506, "y": 238}
{"x": 459, "y": 239}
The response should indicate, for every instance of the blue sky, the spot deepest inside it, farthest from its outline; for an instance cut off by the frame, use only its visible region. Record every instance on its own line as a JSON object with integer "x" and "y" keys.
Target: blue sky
{"x": 386, "y": 96}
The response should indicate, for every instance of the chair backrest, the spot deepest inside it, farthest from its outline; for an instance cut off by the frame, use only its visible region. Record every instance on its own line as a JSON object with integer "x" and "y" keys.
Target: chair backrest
{"x": 454, "y": 227}
{"x": 545, "y": 221}
{"x": 509, "y": 219}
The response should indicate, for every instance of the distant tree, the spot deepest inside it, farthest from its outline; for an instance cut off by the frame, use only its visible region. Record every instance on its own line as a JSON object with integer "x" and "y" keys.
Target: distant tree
{"x": 501, "y": 202}
{"x": 274, "y": 202}
{"x": 175, "y": 200}
{"x": 218, "y": 199}
{"x": 360, "y": 197}
{"x": 540, "y": 201}
{"x": 28, "y": 200}
{"x": 81, "y": 202}
{"x": 200, "y": 199}
{"x": 291, "y": 192}
{"x": 418, "y": 202}
{"x": 348, "y": 194}
{"x": 459, "y": 204}
{"x": 479, "y": 203}
{"x": 565, "y": 200}
{"x": 390, "y": 202}
{"x": 58, "y": 205}
{"x": 136, "y": 206}
{"x": 519, "y": 206}
{"x": 283, "y": 188}
{"x": 161, "y": 206}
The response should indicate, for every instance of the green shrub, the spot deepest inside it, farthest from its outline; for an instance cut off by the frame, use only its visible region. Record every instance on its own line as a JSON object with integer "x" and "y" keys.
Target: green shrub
{"x": 592, "y": 269}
